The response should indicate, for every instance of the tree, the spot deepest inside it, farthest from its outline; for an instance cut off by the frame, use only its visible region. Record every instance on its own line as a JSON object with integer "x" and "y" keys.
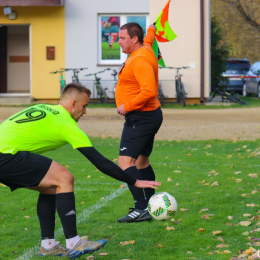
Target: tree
{"x": 219, "y": 55}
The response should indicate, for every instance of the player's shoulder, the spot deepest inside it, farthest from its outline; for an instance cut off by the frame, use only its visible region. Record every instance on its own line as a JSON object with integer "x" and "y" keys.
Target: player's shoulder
{"x": 54, "y": 109}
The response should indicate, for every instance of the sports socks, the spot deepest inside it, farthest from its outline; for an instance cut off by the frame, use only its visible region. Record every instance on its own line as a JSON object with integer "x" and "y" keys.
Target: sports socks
{"x": 67, "y": 212}
{"x": 49, "y": 243}
{"x": 46, "y": 208}
{"x": 148, "y": 174}
{"x": 138, "y": 194}
{"x": 71, "y": 242}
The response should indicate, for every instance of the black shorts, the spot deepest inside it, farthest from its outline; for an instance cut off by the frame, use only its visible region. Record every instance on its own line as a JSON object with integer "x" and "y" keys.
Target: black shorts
{"x": 23, "y": 169}
{"x": 139, "y": 131}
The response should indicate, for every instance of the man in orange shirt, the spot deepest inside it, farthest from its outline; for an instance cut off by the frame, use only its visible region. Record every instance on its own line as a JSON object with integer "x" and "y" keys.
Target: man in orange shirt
{"x": 136, "y": 99}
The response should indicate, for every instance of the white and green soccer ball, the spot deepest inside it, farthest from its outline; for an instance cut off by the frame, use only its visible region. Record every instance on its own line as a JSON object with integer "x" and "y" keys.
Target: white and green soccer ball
{"x": 162, "y": 206}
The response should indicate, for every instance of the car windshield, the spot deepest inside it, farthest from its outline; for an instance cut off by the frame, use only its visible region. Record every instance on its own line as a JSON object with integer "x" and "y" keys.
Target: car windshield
{"x": 238, "y": 65}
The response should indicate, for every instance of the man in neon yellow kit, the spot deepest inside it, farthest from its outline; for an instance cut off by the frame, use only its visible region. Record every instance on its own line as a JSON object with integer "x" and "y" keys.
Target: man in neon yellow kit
{"x": 27, "y": 134}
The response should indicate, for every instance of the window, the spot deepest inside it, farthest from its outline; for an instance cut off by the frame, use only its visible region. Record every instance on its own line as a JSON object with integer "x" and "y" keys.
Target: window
{"x": 109, "y": 51}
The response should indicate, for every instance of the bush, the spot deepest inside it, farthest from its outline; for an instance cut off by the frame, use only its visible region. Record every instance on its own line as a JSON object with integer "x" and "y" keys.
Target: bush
{"x": 219, "y": 55}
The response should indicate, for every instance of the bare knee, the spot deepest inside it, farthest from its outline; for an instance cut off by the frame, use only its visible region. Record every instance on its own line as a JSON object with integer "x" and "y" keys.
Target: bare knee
{"x": 58, "y": 177}
{"x": 125, "y": 162}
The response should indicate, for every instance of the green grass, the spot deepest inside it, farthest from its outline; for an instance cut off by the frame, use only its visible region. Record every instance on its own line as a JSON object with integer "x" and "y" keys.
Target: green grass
{"x": 192, "y": 188}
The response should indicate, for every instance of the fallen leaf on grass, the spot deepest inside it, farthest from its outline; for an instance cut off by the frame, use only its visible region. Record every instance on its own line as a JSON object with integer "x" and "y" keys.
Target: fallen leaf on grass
{"x": 229, "y": 156}
{"x": 67, "y": 166}
{"x": 205, "y": 210}
{"x": 231, "y": 217}
{"x": 181, "y": 209}
{"x": 254, "y": 192}
{"x": 158, "y": 245}
{"x": 252, "y": 175}
{"x": 247, "y": 215}
{"x": 189, "y": 252}
{"x": 188, "y": 154}
{"x": 216, "y": 232}
{"x": 89, "y": 176}
{"x": 103, "y": 253}
{"x": 177, "y": 184}
{"x": 215, "y": 183}
{"x": 221, "y": 239}
{"x": 122, "y": 186}
{"x": 131, "y": 242}
{"x": 221, "y": 246}
{"x": 169, "y": 179}
{"x": 245, "y": 233}
{"x": 245, "y": 223}
{"x": 205, "y": 216}
{"x": 211, "y": 253}
{"x": 238, "y": 172}
{"x": 229, "y": 224}
{"x": 212, "y": 171}
{"x": 227, "y": 252}
{"x": 177, "y": 171}
{"x": 114, "y": 160}
{"x": 252, "y": 205}
{"x": 82, "y": 202}
{"x": 170, "y": 228}
{"x": 201, "y": 230}
{"x": 238, "y": 180}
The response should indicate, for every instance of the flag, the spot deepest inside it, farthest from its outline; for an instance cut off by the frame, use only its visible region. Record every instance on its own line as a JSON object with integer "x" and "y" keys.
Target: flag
{"x": 164, "y": 32}
{"x": 158, "y": 54}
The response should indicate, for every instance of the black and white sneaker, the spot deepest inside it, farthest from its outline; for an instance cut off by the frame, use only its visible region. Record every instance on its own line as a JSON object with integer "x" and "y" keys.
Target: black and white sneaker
{"x": 136, "y": 215}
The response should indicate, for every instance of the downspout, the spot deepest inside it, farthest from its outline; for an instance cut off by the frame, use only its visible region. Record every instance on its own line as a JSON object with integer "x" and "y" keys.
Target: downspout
{"x": 202, "y": 51}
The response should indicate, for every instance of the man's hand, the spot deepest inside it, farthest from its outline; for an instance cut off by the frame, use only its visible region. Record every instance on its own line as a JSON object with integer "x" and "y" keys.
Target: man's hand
{"x": 121, "y": 111}
{"x": 147, "y": 184}
{"x": 152, "y": 26}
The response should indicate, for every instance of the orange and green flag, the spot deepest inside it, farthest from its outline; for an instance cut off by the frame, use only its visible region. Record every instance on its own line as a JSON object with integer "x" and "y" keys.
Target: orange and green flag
{"x": 164, "y": 33}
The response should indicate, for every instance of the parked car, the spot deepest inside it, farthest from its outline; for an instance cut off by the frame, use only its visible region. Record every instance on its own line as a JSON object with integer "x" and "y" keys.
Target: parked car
{"x": 252, "y": 85}
{"x": 236, "y": 67}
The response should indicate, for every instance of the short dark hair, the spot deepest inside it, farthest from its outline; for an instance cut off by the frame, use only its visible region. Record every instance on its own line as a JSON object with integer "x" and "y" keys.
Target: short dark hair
{"x": 75, "y": 86}
{"x": 134, "y": 29}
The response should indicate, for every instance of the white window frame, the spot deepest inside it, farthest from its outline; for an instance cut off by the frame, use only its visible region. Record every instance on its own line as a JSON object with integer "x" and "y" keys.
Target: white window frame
{"x": 123, "y": 20}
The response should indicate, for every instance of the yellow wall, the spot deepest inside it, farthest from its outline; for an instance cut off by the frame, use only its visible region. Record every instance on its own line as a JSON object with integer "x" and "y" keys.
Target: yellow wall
{"x": 47, "y": 29}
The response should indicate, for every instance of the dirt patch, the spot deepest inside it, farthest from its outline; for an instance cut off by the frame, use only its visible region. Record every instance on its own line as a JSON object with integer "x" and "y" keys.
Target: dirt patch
{"x": 225, "y": 124}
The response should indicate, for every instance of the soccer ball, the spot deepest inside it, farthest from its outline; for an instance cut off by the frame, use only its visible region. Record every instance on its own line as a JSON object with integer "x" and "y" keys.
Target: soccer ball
{"x": 162, "y": 206}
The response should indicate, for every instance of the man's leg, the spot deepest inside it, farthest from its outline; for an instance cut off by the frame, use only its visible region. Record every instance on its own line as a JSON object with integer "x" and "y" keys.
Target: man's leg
{"x": 63, "y": 181}
{"x": 139, "y": 213}
{"x": 147, "y": 173}
{"x": 127, "y": 164}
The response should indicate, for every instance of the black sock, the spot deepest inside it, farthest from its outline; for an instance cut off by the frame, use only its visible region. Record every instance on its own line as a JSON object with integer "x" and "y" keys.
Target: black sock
{"x": 138, "y": 194}
{"x": 148, "y": 175}
{"x": 67, "y": 212}
{"x": 46, "y": 208}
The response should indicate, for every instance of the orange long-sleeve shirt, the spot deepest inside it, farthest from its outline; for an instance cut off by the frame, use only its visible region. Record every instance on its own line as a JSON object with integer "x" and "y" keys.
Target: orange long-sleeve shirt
{"x": 137, "y": 85}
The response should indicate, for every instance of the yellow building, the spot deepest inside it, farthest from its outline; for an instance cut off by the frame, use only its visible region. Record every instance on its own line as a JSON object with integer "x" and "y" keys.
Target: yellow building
{"x": 32, "y": 44}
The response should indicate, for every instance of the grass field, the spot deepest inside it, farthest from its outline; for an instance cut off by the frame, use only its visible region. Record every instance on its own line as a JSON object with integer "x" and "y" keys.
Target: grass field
{"x": 214, "y": 182}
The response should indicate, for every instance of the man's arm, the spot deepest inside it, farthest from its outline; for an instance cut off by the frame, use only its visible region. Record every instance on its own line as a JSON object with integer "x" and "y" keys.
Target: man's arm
{"x": 150, "y": 36}
{"x": 112, "y": 170}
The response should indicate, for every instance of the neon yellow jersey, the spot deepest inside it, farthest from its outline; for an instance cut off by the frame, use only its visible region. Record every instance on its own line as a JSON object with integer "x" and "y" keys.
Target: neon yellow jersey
{"x": 39, "y": 129}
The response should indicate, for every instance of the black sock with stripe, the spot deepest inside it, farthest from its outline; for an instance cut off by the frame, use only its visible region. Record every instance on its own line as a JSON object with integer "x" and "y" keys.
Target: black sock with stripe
{"x": 138, "y": 194}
